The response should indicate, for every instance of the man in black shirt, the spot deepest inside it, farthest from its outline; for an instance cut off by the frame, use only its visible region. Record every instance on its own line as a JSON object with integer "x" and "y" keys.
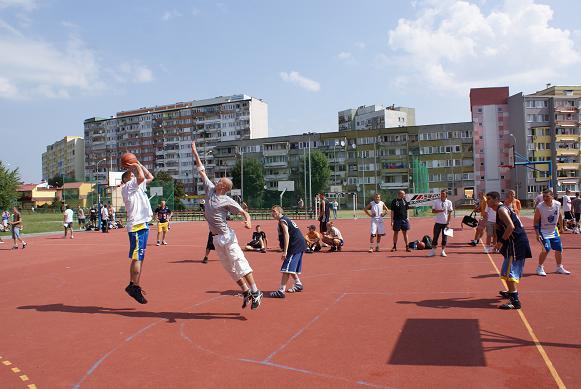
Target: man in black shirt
{"x": 258, "y": 242}
{"x": 324, "y": 213}
{"x": 399, "y": 218}
{"x": 163, "y": 215}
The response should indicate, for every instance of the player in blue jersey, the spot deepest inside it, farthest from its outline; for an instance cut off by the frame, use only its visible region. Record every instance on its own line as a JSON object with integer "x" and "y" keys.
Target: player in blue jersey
{"x": 513, "y": 244}
{"x": 293, "y": 246}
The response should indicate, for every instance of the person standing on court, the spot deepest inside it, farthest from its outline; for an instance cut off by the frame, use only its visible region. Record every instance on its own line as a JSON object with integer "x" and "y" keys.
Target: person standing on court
{"x": 548, "y": 221}
{"x": 443, "y": 208}
{"x": 376, "y": 210}
{"x": 68, "y": 220}
{"x": 81, "y": 218}
{"x": 567, "y": 208}
{"x": 16, "y": 227}
{"x": 163, "y": 215}
{"x": 512, "y": 202}
{"x": 399, "y": 219}
{"x": 104, "y": 219}
{"x": 139, "y": 213}
{"x": 218, "y": 204}
{"x": 335, "y": 206}
{"x": 293, "y": 247}
{"x": 576, "y": 206}
{"x": 324, "y": 213}
{"x": 513, "y": 244}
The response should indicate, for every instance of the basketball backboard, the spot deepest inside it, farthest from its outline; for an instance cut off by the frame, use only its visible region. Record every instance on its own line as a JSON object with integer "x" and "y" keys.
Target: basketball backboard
{"x": 289, "y": 186}
{"x": 114, "y": 178}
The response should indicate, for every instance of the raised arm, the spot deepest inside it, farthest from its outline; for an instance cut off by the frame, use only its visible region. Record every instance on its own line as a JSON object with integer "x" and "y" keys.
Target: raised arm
{"x": 148, "y": 176}
{"x": 198, "y": 162}
{"x": 138, "y": 171}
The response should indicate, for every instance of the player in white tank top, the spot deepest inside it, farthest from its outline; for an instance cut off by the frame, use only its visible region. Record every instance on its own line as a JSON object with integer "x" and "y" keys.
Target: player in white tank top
{"x": 548, "y": 222}
{"x": 376, "y": 210}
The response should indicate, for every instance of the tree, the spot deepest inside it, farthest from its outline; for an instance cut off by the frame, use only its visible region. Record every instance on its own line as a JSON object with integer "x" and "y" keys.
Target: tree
{"x": 9, "y": 181}
{"x": 320, "y": 174}
{"x": 56, "y": 181}
{"x": 253, "y": 181}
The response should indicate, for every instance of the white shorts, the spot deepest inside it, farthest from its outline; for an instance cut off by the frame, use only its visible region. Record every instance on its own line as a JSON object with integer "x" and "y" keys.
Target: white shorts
{"x": 231, "y": 255}
{"x": 377, "y": 227}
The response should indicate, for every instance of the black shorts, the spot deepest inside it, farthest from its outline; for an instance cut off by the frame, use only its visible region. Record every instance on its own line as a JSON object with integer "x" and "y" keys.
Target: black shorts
{"x": 577, "y": 216}
{"x": 401, "y": 225}
{"x": 210, "y": 243}
{"x": 322, "y": 226}
{"x": 568, "y": 215}
{"x": 255, "y": 244}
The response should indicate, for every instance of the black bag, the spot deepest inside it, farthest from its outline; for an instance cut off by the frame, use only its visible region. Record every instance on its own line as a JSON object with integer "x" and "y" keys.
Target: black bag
{"x": 413, "y": 245}
{"x": 470, "y": 220}
{"x": 427, "y": 241}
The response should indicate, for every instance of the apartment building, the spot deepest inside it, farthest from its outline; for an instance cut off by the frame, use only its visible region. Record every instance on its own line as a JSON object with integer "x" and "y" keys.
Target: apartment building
{"x": 65, "y": 158}
{"x": 546, "y": 127}
{"x": 161, "y": 136}
{"x": 492, "y": 140}
{"x": 366, "y": 161}
{"x": 375, "y": 117}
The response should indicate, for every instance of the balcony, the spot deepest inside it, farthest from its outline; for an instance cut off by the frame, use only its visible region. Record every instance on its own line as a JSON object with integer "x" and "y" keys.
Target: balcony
{"x": 568, "y": 152}
{"x": 276, "y": 177}
{"x": 393, "y": 185}
{"x": 566, "y": 123}
{"x": 276, "y": 164}
{"x": 567, "y": 137}
{"x": 565, "y": 109}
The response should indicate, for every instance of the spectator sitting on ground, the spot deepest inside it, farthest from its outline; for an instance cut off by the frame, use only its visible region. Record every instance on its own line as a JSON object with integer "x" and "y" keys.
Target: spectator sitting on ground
{"x": 313, "y": 239}
{"x": 259, "y": 241}
{"x": 333, "y": 238}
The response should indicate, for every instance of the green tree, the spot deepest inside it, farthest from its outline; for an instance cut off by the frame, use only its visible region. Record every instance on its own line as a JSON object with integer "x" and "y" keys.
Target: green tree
{"x": 9, "y": 181}
{"x": 253, "y": 181}
{"x": 163, "y": 177}
{"x": 320, "y": 174}
{"x": 56, "y": 181}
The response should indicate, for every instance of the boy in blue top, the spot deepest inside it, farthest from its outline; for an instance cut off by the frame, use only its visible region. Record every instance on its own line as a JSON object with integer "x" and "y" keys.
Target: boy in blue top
{"x": 293, "y": 246}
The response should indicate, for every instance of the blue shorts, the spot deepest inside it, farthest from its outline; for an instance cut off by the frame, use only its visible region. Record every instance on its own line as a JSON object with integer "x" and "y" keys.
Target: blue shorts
{"x": 401, "y": 225}
{"x": 137, "y": 244}
{"x": 552, "y": 243}
{"x": 512, "y": 269}
{"x": 293, "y": 263}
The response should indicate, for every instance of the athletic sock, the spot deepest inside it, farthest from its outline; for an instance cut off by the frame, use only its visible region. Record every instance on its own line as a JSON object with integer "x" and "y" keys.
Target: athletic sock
{"x": 282, "y": 288}
{"x": 298, "y": 281}
{"x": 253, "y": 288}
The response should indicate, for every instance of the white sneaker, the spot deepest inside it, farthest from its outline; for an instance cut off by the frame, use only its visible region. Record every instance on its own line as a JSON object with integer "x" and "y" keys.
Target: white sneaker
{"x": 163, "y": 242}
{"x": 541, "y": 271}
{"x": 486, "y": 250}
{"x": 157, "y": 244}
{"x": 432, "y": 253}
{"x": 562, "y": 270}
{"x": 443, "y": 254}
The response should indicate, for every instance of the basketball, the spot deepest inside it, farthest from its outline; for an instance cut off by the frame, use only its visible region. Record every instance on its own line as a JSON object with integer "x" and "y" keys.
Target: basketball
{"x": 128, "y": 158}
{"x": 421, "y": 245}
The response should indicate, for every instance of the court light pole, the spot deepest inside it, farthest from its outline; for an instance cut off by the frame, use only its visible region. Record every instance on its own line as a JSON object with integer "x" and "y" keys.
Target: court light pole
{"x": 98, "y": 192}
{"x": 515, "y": 173}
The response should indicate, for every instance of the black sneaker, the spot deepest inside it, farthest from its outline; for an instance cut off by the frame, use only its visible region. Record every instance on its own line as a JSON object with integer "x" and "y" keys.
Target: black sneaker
{"x": 296, "y": 288}
{"x": 256, "y": 299}
{"x": 504, "y": 294}
{"x": 246, "y": 297}
{"x": 473, "y": 243}
{"x": 514, "y": 304}
{"x": 205, "y": 260}
{"x": 135, "y": 292}
{"x": 263, "y": 251}
{"x": 333, "y": 249}
{"x": 277, "y": 294}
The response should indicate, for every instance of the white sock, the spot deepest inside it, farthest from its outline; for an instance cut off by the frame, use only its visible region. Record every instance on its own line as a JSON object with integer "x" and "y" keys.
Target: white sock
{"x": 282, "y": 288}
{"x": 253, "y": 288}
{"x": 298, "y": 281}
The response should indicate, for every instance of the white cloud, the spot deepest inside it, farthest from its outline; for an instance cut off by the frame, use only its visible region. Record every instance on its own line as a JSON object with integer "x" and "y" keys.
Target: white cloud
{"x": 70, "y": 25}
{"x": 171, "y": 14}
{"x": 454, "y": 45}
{"x": 304, "y": 82}
{"x": 28, "y": 5}
{"x": 32, "y": 68}
{"x": 360, "y": 45}
{"x": 344, "y": 55}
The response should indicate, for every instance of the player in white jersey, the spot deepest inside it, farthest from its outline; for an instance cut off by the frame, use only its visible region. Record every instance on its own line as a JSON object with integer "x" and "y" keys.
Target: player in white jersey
{"x": 376, "y": 210}
{"x": 548, "y": 222}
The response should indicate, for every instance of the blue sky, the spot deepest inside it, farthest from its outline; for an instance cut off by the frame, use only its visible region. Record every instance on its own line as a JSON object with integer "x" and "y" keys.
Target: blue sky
{"x": 65, "y": 61}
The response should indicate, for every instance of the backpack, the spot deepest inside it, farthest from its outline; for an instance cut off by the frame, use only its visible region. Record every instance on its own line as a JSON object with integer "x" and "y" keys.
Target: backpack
{"x": 413, "y": 245}
{"x": 427, "y": 241}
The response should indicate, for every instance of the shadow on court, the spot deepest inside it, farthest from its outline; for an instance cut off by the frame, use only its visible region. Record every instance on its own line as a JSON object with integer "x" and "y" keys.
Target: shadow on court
{"x": 439, "y": 342}
{"x": 171, "y": 317}
{"x": 456, "y": 302}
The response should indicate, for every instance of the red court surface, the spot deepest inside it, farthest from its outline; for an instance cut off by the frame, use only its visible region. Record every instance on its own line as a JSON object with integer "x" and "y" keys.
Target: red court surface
{"x": 394, "y": 320}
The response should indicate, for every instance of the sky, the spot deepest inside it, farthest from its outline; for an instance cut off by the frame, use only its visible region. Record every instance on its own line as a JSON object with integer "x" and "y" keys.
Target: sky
{"x": 62, "y": 62}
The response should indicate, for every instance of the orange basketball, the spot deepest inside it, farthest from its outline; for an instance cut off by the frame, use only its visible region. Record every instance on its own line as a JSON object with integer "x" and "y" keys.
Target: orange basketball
{"x": 421, "y": 245}
{"x": 128, "y": 158}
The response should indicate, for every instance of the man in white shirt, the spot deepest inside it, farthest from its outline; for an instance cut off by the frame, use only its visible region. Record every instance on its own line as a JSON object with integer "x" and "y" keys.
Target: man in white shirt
{"x": 548, "y": 221}
{"x": 333, "y": 238}
{"x": 567, "y": 201}
{"x": 138, "y": 215}
{"x": 443, "y": 208}
{"x": 68, "y": 220}
{"x": 490, "y": 216}
{"x": 376, "y": 210}
{"x": 104, "y": 219}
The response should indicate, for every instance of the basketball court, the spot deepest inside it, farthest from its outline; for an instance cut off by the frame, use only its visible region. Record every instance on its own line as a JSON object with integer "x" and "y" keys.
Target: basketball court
{"x": 381, "y": 320}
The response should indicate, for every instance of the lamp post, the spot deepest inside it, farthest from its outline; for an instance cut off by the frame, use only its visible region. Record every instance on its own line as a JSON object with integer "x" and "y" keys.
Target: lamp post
{"x": 515, "y": 175}
{"x": 98, "y": 192}
{"x": 241, "y": 154}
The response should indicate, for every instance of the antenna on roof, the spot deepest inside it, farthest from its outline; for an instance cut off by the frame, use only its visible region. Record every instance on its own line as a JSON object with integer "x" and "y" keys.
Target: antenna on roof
{"x": 548, "y": 85}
